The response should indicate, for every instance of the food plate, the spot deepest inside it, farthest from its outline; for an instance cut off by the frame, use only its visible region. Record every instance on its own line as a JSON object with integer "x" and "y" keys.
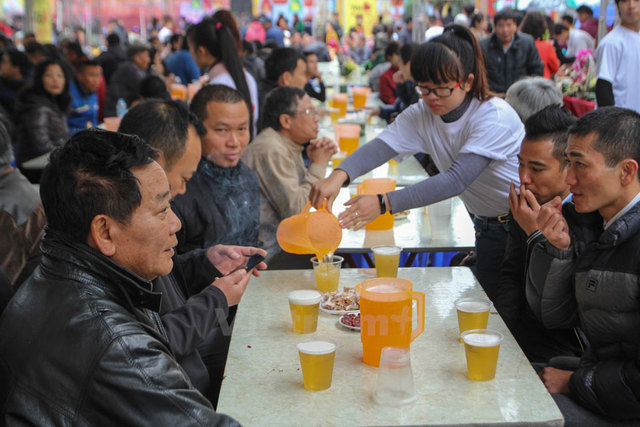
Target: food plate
{"x": 344, "y": 319}
{"x": 340, "y": 312}
{"x": 401, "y": 215}
{"x": 340, "y": 302}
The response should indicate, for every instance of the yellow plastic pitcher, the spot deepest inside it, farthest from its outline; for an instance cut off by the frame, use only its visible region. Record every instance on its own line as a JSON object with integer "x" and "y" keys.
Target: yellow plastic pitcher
{"x": 386, "y": 316}
{"x": 379, "y": 186}
{"x": 317, "y": 232}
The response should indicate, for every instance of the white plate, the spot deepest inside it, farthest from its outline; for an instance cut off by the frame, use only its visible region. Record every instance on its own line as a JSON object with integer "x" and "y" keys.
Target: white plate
{"x": 337, "y": 311}
{"x": 401, "y": 216}
{"x": 344, "y": 325}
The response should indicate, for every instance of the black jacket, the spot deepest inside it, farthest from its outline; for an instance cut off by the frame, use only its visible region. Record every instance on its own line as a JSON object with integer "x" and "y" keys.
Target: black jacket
{"x": 125, "y": 84}
{"x": 81, "y": 344}
{"x": 110, "y": 60}
{"x": 538, "y": 343}
{"x": 521, "y": 60}
{"x": 41, "y": 127}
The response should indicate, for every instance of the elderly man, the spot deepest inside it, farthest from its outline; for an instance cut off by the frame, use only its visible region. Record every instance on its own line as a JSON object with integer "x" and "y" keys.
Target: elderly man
{"x": 193, "y": 311}
{"x": 81, "y": 342}
{"x": 587, "y": 271}
{"x": 542, "y": 176}
{"x": 289, "y": 120}
{"x": 509, "y": 54}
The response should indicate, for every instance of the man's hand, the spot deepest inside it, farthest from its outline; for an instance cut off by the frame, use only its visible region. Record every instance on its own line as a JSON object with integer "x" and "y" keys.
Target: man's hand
{"x": 228, "y": 258}
{"x": 398, "y": 77}
{"x": 362, "y": 210}
{"x": 525, "y": 208}
{"x": 233, "y": 285}
{"x": 327, "y": 189}
{"x": 556, "y": 380}
{"x": 321, "y": 150}
{"x": 553, "y": 225}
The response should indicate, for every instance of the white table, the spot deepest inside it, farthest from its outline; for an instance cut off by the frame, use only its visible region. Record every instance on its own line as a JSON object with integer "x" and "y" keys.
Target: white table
{"x": 263, "y": 381}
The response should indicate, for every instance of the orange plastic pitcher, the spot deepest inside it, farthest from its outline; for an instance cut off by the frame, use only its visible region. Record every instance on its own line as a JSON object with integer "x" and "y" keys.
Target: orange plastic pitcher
{"x": 317, "y": 232}
{"x": 348, "y": 137}
{"x": 386, "y": 316}
{"x": 379, "y": 186}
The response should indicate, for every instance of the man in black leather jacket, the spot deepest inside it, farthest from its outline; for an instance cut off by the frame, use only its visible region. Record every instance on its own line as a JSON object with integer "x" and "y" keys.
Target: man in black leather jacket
{"x": 81, "y": 342}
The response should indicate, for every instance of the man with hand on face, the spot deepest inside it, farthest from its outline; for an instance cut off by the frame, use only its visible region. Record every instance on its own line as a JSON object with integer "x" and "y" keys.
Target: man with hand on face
{"x": 81, "y": 342}
{"x": 194, "y": 310}
{"x": 587, "y": 271}
{"x": 289, "y": 121}
{"x": 542, "y": 170}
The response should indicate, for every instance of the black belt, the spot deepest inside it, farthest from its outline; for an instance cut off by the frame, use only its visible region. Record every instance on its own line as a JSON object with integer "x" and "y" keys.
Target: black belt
{"x": 501, "y": 219}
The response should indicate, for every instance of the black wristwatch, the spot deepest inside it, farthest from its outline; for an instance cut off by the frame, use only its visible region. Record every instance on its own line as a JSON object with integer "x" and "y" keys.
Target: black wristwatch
{"x": 383, "y": 204}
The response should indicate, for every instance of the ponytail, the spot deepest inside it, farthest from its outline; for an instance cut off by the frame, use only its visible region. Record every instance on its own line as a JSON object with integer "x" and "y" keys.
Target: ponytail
{"x": 451, "y": 57}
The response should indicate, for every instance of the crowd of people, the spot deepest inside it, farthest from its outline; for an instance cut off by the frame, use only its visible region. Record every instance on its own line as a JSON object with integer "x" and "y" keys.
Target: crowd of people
{"x": 120, "y": 280}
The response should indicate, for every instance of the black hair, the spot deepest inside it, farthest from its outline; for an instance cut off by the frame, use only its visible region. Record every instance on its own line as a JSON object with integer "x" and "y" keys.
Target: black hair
{"x": 469, "y": 8}
{"x": 534, "y": 24}
{"x": 281, "y": 100}
{"x": 32, "y": 48}
{"x": 163, "y": 124}
{"x": 476, "y": 18}
{"x": 505, "y": 14}
{"x": 20, "y": 60}
{"x": 585, "y": 9}
{"x": 551, "y": 123}
{"x": 91, "y": 175}
{"x": 391, "y": 49}
{"x": 280, "y": 61}
{"x": 75, "y": 48}
{"x": 406, "y": 51}
{"x": 175, "y": 38}
{"x": 617, "y": 132}
{"x": 153, "y": 87}
{"x": 6, "y": 155}
{"x": 568, "y": 18}
{"x": 214, "y": 93}
{"x": 217, "y": 39}
{"x": 451, "y": 57}
{"x": 560, "y": 28}
{"x": 87, "y": 63}
{"x": 408, "y": 19}
{"x": 113, "y": 40}
{"x": 64, "y": 99}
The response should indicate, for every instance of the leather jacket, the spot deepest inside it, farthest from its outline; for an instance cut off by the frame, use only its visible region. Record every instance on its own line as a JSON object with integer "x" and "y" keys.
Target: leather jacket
{"x": 81, "y": 343}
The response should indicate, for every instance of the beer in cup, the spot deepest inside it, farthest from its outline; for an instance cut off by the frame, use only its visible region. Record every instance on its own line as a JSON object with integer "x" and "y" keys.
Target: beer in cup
{"x": 386, "y": 259}
{"x": 473, "y": 313}
{"x": 304, "y": 305}
{"x": 481, "y": 348}
{"x": 327, "y": 273}
{"x": 316, "y": 360}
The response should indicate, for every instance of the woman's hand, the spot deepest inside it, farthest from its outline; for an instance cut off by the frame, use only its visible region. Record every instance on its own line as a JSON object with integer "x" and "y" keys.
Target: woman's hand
{"x": 327, "y": 189}
{"x": 362, "y": 210}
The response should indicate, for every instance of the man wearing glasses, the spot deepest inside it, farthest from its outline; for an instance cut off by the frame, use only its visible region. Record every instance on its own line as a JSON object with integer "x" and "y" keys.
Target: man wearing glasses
{"x": 289, "y": 120}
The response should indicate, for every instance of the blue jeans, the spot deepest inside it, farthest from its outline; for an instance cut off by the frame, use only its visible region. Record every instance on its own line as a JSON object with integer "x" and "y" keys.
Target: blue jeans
{"x": 491, "y": 239}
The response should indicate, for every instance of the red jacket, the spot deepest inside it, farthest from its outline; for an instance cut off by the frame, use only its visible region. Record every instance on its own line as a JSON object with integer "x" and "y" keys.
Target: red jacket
{"x": 388, "y": 86}
{"x": 549, "y": 57}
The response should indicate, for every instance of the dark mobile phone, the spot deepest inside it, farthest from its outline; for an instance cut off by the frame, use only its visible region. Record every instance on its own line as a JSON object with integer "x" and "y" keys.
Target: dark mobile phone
{"x": 253, "y": 261}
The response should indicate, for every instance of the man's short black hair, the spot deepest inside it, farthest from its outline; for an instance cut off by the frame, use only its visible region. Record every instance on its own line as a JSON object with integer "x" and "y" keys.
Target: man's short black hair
{"x": 406, "y": 51}
{"x": 87, "y": 63}
{"x": 113, "y": 40}
{"x": 20, "y": 60}
{"x": 32, "y": 48}
{"x": 153, "y": 87}
{"x": 469, "y": 8}
{"x": 551, "y": 123}
{"x": 505, "y": 14}
{"x": 391, "y": 48}
{"x": 280, "y": 61}
{"x": 617, "y": 133}
{"x": 214, "y": 93}
{"x": 162, "y": 124}
{"x": 75, "y": 47}
{"x": 91, "y": 175}
{"x": 568, "y": 18}
{"x": 585, "y": 9}
{"x": 560, "y": 28}
{"x": 281, "y": 100}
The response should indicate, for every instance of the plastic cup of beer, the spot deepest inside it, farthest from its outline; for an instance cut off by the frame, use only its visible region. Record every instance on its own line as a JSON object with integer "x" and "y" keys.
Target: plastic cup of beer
{"x": 327, "y": 273}
{"x": 386, "y": 259}
{"x": 473, "y": 313}
{"x": 178, "y": 91}
{"x": 316, "y": 361}
{"x": 481, "y": 348}
{"x": 360, "y": 95}
{"x": 340, "y": 101}
{"x": 334, "y": 113}
{"x": 395, "y": 380}
{"x": 304, "y": 305}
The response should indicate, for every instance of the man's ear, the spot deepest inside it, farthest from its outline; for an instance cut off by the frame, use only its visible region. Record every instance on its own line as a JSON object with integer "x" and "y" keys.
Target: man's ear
{"x": 284, "y": 79}
{"x": 285, "y": 121}
{"x": 101, "y": 235}
{"x": 628, "y": 171}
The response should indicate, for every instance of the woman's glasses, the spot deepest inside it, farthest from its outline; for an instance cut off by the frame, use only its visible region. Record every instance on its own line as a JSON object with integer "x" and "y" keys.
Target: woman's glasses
{"x": 440, "y": 92}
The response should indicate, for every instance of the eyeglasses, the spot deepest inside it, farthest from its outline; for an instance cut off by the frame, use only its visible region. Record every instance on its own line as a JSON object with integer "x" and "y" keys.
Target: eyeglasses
{"x": 308, "y": 112}
{"x": 440, "y": 92}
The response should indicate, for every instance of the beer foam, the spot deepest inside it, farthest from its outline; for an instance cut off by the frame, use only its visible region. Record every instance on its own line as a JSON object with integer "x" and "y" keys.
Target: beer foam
{"x": 305, "y": 297}
{"x": 482, "y": 340}
{"x": 316, "y": 347}
{"x": 386, "y": 250}
{"x": 473, "y": 306}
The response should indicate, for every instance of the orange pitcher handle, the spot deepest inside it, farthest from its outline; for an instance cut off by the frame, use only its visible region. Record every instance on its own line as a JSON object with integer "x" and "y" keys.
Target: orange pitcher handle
{"x": 306, "y": 208}
{"x": 419, "y": 299}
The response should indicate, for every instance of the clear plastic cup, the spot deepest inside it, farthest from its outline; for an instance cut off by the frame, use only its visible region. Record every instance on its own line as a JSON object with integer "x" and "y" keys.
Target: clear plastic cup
{"x": 395, "y": 380}
{"x": 473, "y": 313}
{"x": 304, "y": 305}
{"x": 316, "y": 361}
{"x": 327, "y": 273}
{"x": 386, "y": 259}
{"x": 481, "y": 348}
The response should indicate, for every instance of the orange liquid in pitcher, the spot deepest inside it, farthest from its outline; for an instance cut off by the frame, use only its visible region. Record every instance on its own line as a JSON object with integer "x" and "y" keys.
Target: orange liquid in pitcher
{"x": 385, "y": 321}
